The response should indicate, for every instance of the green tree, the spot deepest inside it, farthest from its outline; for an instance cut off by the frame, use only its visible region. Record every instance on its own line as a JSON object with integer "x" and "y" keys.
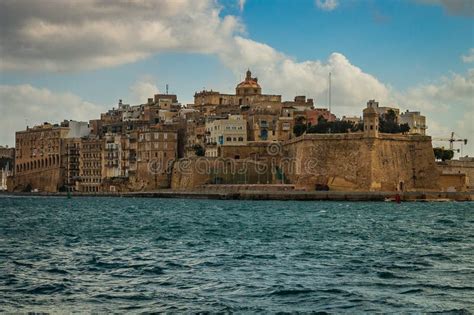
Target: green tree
{"x": 442, "y": 154}
{"x": 300, "y": 126}
{"x": 388, "y": 123}
{"x": 338, "y": 126}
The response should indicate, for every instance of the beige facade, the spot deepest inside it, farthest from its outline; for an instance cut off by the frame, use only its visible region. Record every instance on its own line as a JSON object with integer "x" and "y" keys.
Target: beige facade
{"x": 6, "y": 152}
{"x": 156, "y": 151}
{"x": 464, "y": 165}
{"x": 70, "y": 159}
{"x": 354, "y": 119}
{"x": 229, "y": 131}
{"x": 415, "y": 121}
{"x": 91, "y": 153}
{"x": 247, "y": 92}
{"x": 39, "y": 155}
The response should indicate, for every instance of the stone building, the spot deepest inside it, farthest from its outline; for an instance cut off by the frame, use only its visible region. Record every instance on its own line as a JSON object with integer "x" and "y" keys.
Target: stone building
{"x": 230, "y": 131}
{"x": 415, "y": 121}
{"x": 465, "y": 165}
{"x": 39, "y": 152}
{"x": 247, "y": 92}
{"x": 112, "y": 163}
{"x": 7, "y": 153}
{"x": 91, "y": 162}
{"x": 381, "y": 110}
{"x": 367, "y": 160}
{"x": 354, "y": 119}
{"x": 157, "y": 149}
{"x": 7, "y": 164}
{"x": 70, "y": 159}
{"x": 313, "y": 115}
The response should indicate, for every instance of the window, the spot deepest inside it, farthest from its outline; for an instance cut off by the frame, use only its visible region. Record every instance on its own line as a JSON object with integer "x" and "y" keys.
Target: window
{"x": 228, "y": 139}
{"x": 241, "y": 139}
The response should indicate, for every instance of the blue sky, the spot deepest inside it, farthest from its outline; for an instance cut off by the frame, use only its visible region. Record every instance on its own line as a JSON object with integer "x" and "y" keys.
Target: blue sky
{"x": 405, "y": 53}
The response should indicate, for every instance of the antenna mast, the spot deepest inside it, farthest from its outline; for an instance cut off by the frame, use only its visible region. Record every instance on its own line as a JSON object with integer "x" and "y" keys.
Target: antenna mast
{"x": 166, "y": 88}
{"x": 329, "y": 92}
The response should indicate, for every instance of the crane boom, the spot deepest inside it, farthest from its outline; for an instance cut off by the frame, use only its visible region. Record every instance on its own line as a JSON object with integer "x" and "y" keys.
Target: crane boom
{"x": 451, "y": 140}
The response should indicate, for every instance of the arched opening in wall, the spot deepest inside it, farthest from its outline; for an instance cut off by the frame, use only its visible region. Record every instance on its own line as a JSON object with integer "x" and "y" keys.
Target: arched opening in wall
{"x": 18, "y": 168}
{"x": 42, "y": 163}
{"x": 401, "y": 186}
{"x": 240, "y": 101}
{"x": 35, "y": 164}
{"x": 50, "y": 161}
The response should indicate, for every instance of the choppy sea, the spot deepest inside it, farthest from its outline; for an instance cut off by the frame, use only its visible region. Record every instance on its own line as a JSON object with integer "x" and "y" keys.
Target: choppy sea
{"x": 149, "y": 255}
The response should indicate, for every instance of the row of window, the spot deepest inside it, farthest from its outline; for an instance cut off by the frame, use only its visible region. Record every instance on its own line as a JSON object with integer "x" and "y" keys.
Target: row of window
{"x": 90, "y": 189}
{"x": 156, "y": 145}
{"x": 156, "y": 136}
{"x": 91, "y": 165}
{"x": 91, "y": 173}
{"x": 37, "y": 164}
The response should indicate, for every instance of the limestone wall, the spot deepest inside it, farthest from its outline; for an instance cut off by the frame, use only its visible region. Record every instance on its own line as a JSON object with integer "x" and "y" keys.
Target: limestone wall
{"x": 453, "y": 182}
{"x": 459, "y": 167}
{"x": 344, "y": 162}
{"x": 48, "y": 180}
{"x": 355, "y": 162}
{"x": 196, "y": 172}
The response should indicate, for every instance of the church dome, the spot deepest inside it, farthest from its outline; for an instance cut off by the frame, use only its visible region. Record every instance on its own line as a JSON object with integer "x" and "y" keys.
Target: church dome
{"x": 249, "y": 86}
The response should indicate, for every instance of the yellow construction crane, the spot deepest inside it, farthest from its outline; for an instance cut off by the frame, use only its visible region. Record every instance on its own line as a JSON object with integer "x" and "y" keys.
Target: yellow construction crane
{"x": 451, "y": 140}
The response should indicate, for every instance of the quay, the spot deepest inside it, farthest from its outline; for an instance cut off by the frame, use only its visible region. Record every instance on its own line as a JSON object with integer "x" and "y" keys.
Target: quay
{"x": 429, "y": 196}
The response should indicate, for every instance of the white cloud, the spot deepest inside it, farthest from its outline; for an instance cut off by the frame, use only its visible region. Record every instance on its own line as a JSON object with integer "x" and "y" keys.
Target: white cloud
{"x": 24, "y": 105}
{"x": 241, "y": 5}
{"x": 281, "y": 74}
{"x": 62, "y": 35}
{"x": 448, "y": 105}
{"x": 453, "y": 7}
{"x": 327, "y": 5}
{"x": 469, "y": 57}
{"x": 142, "y": 90}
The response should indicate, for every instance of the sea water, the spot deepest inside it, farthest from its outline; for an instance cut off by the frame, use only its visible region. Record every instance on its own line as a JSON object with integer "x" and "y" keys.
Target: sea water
{"x": 143, "y": 255}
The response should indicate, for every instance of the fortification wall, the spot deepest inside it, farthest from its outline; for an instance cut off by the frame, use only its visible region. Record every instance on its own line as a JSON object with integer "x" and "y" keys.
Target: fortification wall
{"x": 48, "y": 180}
{"x": 199, "y": 171}
{"x": 459, "y": 167}
{"x": 404, "y": 163}
{"x": 355, "y": 162}
{"x": 340, "y": 162}
{"x": 344, "y": 162}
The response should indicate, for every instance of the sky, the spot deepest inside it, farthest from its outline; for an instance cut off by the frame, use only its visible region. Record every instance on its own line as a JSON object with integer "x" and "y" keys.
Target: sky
{"x": 63, "y": 59}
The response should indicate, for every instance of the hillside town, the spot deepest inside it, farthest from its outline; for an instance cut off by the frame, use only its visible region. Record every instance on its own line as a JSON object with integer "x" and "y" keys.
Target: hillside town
{"x": 144, "y": 147}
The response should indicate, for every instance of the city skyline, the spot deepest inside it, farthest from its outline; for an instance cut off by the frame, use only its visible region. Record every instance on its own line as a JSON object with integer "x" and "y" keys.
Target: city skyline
{"x": 77, "y": 63}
